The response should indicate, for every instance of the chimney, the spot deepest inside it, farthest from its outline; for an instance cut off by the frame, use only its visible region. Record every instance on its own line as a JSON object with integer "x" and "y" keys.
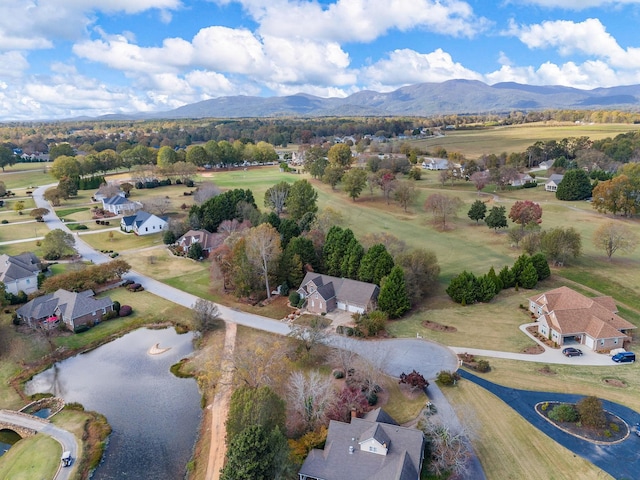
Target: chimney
{"x": 354, "y": 414}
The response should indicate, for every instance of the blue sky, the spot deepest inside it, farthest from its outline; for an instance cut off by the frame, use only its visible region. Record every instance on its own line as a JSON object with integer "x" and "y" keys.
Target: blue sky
{"x": 65, "y": 58}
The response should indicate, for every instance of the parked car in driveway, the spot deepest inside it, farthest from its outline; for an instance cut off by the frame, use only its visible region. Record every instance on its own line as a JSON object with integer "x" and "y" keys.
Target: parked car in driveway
{"x": 571, "y": 352}
{"x": 624, "y": 357}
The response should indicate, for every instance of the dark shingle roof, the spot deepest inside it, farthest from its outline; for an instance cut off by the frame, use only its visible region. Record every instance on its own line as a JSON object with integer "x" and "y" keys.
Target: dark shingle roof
{"x": 352, "y": 292}
{"x": 402, "y": 461}
{"x": 71, "y": 304}
{"x": 19, "y": 266}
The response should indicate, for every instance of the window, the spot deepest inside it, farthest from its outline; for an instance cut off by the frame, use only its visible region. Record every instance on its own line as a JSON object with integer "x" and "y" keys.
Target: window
{"x": 372, "y": 448}
{"x": 615, "y": 341}
{"x": 601, "y": 341}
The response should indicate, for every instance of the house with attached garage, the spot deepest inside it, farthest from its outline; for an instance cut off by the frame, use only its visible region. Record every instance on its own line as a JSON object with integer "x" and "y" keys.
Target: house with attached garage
{"x": 143, "y": 223}
{"x": 20, "y": 272}
{"x": 431, "y": 163}
{"x": 374, "y": 447}
{"x": 209, "y": 241}
{"x": 568, "y": 317}
{"x": 71, "y": 308}
{"x": 325, "y": 293}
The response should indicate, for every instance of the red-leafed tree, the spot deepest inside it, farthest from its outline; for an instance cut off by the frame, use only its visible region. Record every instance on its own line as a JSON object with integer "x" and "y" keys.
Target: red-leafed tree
{"x": 526, "y": 212}
{"x": 349, "y": 399}
{"x": 414, "y": 379}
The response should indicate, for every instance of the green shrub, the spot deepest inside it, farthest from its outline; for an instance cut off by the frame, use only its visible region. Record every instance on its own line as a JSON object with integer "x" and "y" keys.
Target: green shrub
{"x": 372, "y": 398}
{"x": 607, "y": 433}
{"x": 116, "y": 306}
{"x": 563, "y": 413}
{"x": 544, "y": 406}
{"x": 5, "y": 221}
{"x": 338, "y": 374}
{"x": 483, "y": 366}
{"x": 614, "y": 427}
{"x": 109, "y": 316}
{"x": 294, "y": 298}
{"x": 447, "y": 378}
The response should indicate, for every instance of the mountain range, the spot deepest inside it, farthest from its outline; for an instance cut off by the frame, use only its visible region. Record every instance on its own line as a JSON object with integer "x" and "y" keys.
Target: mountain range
{"x": 424, "y": 99}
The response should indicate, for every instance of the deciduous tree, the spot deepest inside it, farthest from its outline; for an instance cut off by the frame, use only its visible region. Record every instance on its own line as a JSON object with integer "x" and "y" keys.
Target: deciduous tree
{"x": 354, "y": 181}
{"x": 340, "y": 155}
{"x": 406, "y": 194}
{"x": 442, "y": 207}
{"x": 421, "y": 272}
{"x": 497, "y": 217}
{"x": 205, "y": 315}
{"x": 310, "y": 397}
{"x": 613, "y": 237}
{"x": 525, "y": 212}
{"x": 276, "y": 197}
{"x": 58, "y": 244}
{"x": 263, "y": 250}
{"x": 561, "y": 244}
{"x": 302, "y": 199}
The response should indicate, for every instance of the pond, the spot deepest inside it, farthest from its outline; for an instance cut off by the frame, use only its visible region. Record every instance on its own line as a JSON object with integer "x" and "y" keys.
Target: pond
{"x": 154, "y": 415}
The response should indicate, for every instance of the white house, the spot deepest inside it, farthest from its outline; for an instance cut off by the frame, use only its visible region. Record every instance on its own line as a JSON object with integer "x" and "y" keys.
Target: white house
{"x": 144, "y": 223}
{"x": 20, "y": 273}
{"x": 119, "y": 204}
{"x": 521, "y": 179}
{"x": 431, "y": 163}
{"x": 552, "y": 184}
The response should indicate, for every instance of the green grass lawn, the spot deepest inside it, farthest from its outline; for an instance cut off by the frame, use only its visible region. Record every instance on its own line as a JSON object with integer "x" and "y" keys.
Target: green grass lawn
{"x": 121, "y": 242}
{"x": 31, "y": 458}
{"x": 516, "y": 138}
{"x": 14, "y": 231}
{"x": 27, "y": 176}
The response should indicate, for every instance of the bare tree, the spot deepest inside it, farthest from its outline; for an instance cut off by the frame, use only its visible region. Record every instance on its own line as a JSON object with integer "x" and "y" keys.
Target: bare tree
{"x": 262, "y": 362}
{"x": 227, "y": 227}
{"x": 449, "y": 448}
{"x": 309, "y": 336}
{"x": 158, "y": 205}
{"x": 309, "y": 398}
{"x": 276, "y": 196}
{"x": 205, "y": 315}
{"x": 442, "y": 206}
{"x": 342, "y": 356}
{"x": 406, "y": 194}
{"x": 263, "y": 250}
{"x": 480, "y": 180}
{"x": 109, "y": 190}
{"x": 206, "y": 191}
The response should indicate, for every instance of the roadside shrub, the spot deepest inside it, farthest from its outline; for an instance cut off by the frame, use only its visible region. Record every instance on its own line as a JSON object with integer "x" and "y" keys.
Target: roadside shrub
{"x": 114, "y": 255}
{"x": 483, "y": 366}
{"x": 563, "y": 413}
{"x": 125, "y": 311}
{"x": 116, "y": 306}
{"x": 81, "y": 328}
{"x": 109, "y": 316}
{"x": 189, "y": 183}
{"x": 614, "y": 427}
{"x": 544, "y": 406}
{"x": 447, "y": 378}
{"x": 5, "y": 221}
{"x": 372, "y": 398}
{"x": 591, "y": 412}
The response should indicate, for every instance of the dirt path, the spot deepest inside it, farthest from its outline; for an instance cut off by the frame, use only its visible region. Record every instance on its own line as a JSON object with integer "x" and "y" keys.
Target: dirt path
{"x": 220, "y": 406}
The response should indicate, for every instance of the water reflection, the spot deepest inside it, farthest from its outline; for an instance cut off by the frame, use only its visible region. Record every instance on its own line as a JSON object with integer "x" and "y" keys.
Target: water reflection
{"x": 7, "y": 439}
{"x": 154, "y": 415}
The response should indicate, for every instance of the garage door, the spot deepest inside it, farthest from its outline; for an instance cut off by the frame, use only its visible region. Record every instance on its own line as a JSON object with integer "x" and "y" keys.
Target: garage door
{"x": 342, "y": 306}
{"x": 589, "y": 342}
{"x": 354, "y": 309}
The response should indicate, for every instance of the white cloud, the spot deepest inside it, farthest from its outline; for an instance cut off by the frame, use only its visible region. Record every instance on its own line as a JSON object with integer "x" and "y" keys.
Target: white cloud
{"x": 404, "y": 67}
{"x": 362, "y": 20}
{"x": 579, "y": 4}
{"x": 12, "y": 65}
{"x": 589, "y": 38}
{"x": 229, "y": 50}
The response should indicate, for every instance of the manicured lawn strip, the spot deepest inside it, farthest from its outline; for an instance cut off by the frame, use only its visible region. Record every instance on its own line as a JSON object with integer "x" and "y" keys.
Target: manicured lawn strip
{"x": 121, "y": 242}
{"x": 399, "y": 406}
{"x": 30, "y": 175}
{"x": 508, "y": 446}
{"x": 65, "y": 212}
{"x": 583, "y": 380}
{"x": 27, "y": 201}
{"x": 17, "y": 248}
{"x": 159, "y": 264}
{"x": 15, "y": 231}
{"x": 31, "y": 458}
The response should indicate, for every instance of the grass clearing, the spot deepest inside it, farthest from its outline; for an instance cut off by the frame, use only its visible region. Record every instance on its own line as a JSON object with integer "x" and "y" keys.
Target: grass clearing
{"x": 30, "y": 229}
{"x": 508, "y": 446}
{"x": 401, "y": 407}
{"x": 20, "y": 462}
{"x": 121, "y": 242}
{"x": 160, "y": 264}
{"x": 27, "y": 175}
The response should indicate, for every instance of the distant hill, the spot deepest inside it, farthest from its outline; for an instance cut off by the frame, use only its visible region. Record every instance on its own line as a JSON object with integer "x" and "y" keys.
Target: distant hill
{"x": 424, "y": 99}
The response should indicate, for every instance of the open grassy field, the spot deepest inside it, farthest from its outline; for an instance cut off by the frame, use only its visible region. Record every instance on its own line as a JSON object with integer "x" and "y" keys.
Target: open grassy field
{"x": 509, "y": 447}
{"x": 29, "y": 229}
{"x": 20, "y": 463}
{"x": 120, "y": 241}
{"x": 516, "y": 138}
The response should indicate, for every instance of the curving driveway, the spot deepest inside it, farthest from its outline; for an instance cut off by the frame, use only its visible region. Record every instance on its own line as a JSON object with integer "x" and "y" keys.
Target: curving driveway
{"x": 621, "y": 460}
{"x": 63, "y": 437}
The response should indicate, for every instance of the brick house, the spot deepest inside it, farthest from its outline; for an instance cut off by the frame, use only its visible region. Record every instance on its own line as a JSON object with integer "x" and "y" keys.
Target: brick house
{"x": 325, "y": 293}
{"x": 73, "y": 309}
{"x": 566, "y": 316}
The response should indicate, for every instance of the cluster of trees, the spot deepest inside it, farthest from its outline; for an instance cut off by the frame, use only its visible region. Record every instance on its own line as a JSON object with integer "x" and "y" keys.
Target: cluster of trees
{"x": 621, "y": 194}
{"x": 58, "y": 244}
{"x": 87, "y": 278}
{"x": 526, "y": 271}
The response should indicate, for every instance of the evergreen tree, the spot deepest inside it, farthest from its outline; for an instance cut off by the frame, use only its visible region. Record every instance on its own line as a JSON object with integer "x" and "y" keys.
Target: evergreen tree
{"x": 575, "y": 185}
{"x": 497, "y": 218}
{"x": 477, "y": 211}
{"x": 352, "y": 259}
{"x": 287, "y": 229}
{"x": 528, "y": 277}
{"x": 486, "y": 289}
{"x": 195, "y": 251}
{"x": 254, "y": 406}
{"x": 376, "y": 264}
{"x": 393, "y": 298}
{"x": 519, "y": 265}
{"x": 302, "y": 199}
{"x": 254, "y": 454}
{"x": 463, "y": 289}
{"x": 506, "y": 277}
{"x": 495, "y": 279}
{"x": 542, "y": 266}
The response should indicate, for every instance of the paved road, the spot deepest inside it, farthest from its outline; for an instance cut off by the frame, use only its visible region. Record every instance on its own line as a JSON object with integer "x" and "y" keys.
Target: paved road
{"x": 621, "y": 460}
{"x": 64, "y": 438}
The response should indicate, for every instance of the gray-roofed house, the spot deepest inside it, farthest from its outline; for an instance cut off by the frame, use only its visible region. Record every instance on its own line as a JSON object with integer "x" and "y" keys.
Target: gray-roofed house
{"x": 20, "y": 272}
{"x": 74, "y": 309}
{"x": 144, "y": 223}
{"x": 119, "y": 204}
{"x": 209, "y": 241}
{"x": 551, "y": 185}
{"x": 371, "y": 448}
{"x": 325, "y": 293}
{"x": 567, "y": 317}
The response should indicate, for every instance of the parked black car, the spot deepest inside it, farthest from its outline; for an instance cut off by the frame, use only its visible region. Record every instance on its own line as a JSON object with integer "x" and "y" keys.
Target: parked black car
{"x": 571, "y": 352}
